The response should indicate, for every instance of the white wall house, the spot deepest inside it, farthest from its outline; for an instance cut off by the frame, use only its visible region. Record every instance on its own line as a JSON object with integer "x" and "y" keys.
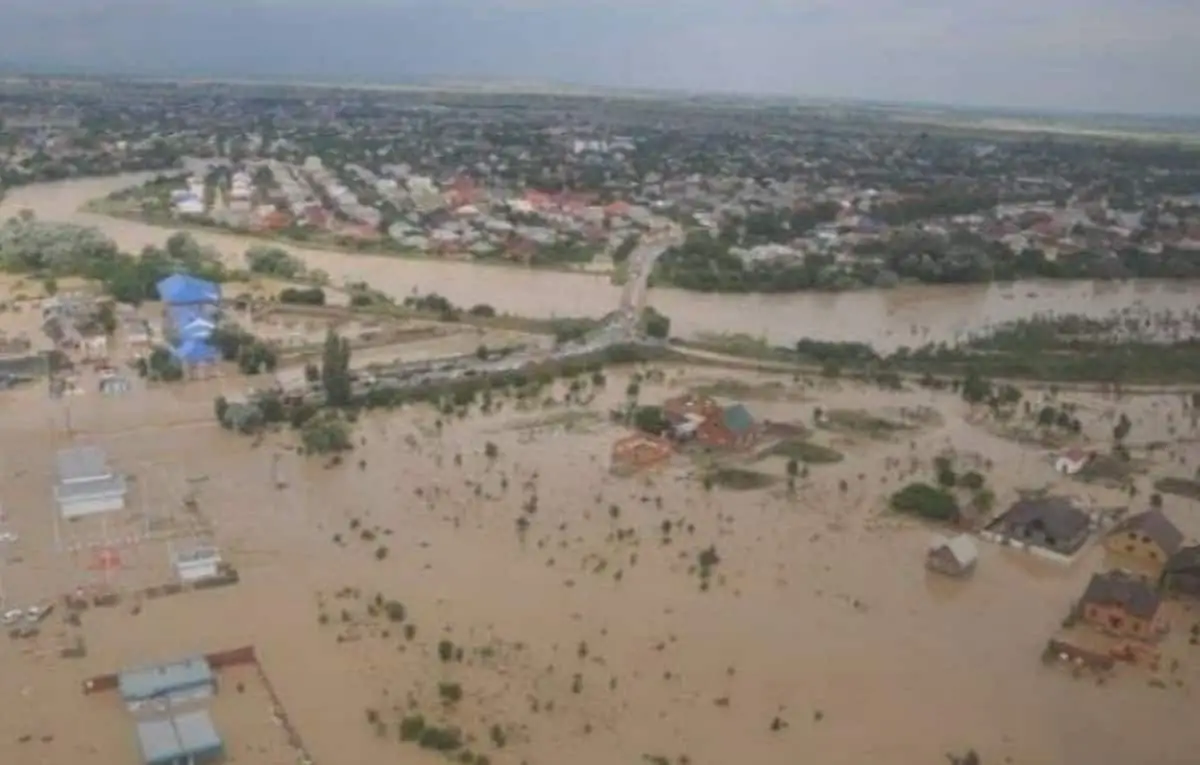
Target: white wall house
{"x": 197, "y": 563}
{"x": 85, "y": 485}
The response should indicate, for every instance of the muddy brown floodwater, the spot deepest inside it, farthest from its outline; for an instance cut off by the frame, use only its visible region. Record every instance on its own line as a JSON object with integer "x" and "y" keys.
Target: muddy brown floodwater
{"x": 888, "y": 319}
{"x": 588, "y": 636}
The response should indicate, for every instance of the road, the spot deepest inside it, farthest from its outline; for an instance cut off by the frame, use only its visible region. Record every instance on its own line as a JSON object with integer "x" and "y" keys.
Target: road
{"x": 622, "y": 327}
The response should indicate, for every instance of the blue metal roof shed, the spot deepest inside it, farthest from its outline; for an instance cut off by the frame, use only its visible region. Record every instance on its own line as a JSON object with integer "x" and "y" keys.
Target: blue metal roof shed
{"x": 179, "y": 677}
{"x": 186, "y": 739}
{"x": 179, "y": 289}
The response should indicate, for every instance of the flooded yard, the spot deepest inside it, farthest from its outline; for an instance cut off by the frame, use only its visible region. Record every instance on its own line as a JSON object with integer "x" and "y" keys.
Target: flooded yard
{"x": 551, "y": 609}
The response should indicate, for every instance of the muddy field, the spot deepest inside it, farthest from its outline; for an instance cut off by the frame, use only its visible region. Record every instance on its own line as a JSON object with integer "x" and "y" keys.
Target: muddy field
{"x": 548, "y": 609}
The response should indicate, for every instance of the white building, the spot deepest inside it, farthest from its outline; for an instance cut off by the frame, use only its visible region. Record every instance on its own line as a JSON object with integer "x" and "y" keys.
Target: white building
{"x": 85, "y": 485}
{"x": 196, "y": 563}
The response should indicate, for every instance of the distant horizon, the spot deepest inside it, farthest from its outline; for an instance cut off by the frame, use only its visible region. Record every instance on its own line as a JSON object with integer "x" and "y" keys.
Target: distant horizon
{"x": 523, "y": 86}
{"x": 1035, "y": 56}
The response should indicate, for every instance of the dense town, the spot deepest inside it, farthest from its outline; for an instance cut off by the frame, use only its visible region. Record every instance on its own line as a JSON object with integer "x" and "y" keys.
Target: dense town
{"x": 773, "y": 198}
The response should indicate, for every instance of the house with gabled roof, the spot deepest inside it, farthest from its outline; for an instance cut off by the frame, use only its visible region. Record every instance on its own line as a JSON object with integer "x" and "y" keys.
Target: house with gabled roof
{"x": 1122, "y": 604}
{"x": 1149, "y": 537}
{"x": 1181, "y": 573}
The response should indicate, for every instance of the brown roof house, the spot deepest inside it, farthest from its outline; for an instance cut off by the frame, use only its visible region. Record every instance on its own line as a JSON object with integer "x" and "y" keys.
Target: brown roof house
{"x": 1051, "y": 524}
{"x": 1122, "y": 604}
{"x": 1149, "y": 537}
{"x": 687, "y": 413}
{"x": 732, "y": 428}
{"x": 954, "y": 557}
{"x": 639, "y": 451}
{"x": 1181, "y": 574}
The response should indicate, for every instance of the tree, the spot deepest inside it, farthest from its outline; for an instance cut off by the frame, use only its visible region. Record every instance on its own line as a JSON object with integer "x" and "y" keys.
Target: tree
{"x": 106, "y": 317}
{"x": 1122, "y": 428}
{"x": 975, "y": 389}
{"x": 657, "y": 325}
{"x": 335, "y": 369}
{"x": 925, "y": 501}
{"x": 650, "y": 419}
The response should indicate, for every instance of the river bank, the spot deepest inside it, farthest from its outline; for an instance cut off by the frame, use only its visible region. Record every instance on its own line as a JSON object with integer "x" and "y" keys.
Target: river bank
{"x": 885, "y": 319}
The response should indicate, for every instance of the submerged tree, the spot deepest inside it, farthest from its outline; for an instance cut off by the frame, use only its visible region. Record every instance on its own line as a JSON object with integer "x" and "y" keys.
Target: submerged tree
{"x": 335, "y": 369}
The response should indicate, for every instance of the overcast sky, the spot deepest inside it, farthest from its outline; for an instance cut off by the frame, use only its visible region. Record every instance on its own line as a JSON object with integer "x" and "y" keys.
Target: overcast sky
{"x": 1096, "y": 55}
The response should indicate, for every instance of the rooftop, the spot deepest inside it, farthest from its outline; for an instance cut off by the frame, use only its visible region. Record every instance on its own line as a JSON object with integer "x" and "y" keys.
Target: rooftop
{"x": 1116, "y": 588}
{"x": 171, "y": 739}
{"x": 81, "y": 463}
{"x": 148, "y": 682}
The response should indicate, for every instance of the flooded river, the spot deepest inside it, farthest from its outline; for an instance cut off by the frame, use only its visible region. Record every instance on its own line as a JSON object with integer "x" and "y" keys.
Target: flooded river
{"x": 887, "y": 319}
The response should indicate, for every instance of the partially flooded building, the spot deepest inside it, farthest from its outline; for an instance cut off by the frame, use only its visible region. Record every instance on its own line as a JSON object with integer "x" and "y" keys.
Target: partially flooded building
{"x": 185, "y": 680}
{"x": 956, "y": 556}
{"x": 85, "y": 484}
{"x": 183, "y": 739}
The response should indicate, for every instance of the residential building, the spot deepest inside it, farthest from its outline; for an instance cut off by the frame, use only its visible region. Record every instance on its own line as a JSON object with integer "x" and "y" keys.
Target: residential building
{"x": 733, "y": 428}
{"x": 85, "y": 485}
{"x": 183, "y": 739}
{"x": 186, "y": 679}
{"x": 1150, "y": 537}
{"x": 1181, "y": 573}
{"x": 1122, "y": 604}
{"x": 955, "y": 556}
{"x": 1053, "y": 524}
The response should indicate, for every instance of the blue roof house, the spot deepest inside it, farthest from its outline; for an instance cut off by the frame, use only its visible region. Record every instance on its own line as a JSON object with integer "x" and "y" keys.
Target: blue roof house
{"x": 184, "y": 739}
{"x": 185, "y": 678}
{"x": 185, "y": 289}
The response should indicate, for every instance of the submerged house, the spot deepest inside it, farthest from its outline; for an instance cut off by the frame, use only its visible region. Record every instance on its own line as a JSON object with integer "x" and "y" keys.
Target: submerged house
{"x": 953, "y": 557}
{"x": 1053, "y": 524}
{"x": 639, "y": 451}
{"x": 1150, "y": 537}
{"x": 1181, "y": 574}
{"x": 733, "y": 427}
{"x": 1122, "y": 604}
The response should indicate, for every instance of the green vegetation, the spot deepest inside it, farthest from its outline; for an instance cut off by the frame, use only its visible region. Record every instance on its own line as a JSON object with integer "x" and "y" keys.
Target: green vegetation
{"x": 737, "y": 479}
{"x": 275, "y": 262}
{"x": 650, "y": 419}
{"x": 803, "y": 451}
{"x": 335, "y": 370}
{"x": 1180, "y": 487}
{"x": 326, "y": 433}
{"x": 302, "y": 296}
{"x": 48, "y": 250}
{"x": 925, "y": 501}
{"x": 1129, "y": 349}
{"x": 859, "y": 422}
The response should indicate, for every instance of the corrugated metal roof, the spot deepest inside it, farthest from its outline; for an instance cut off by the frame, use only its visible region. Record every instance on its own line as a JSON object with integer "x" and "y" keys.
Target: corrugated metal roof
{"x": 148, "y": 682}
{"x": 81, "y": 463}
{"x": 738, "y": 418}
{"x": 112, "y": 486}
{"x": 170, "y": 739}
{"x": 962, "y": 547}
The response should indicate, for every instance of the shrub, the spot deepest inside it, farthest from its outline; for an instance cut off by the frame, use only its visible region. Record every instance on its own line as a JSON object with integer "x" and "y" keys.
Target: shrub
{"x": 450, "y": 693}
{"x": 394, "y": 610}
{"x": 445, "y": 650}
{"x": 926, "y": 501}
{"x": 412, "y": 727}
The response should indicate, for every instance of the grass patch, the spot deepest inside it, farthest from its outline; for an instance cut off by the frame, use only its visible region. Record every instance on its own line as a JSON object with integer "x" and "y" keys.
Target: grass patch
{"x": 861, "y": 422}
{"x": 802, "y": 451}
{"x": 1180, "y": 487}
{"x": 1107, "y": 468}
{"x": 737, "y": 389}
{"x": 569, "y": 420}
{"x": 737, "y": 479}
